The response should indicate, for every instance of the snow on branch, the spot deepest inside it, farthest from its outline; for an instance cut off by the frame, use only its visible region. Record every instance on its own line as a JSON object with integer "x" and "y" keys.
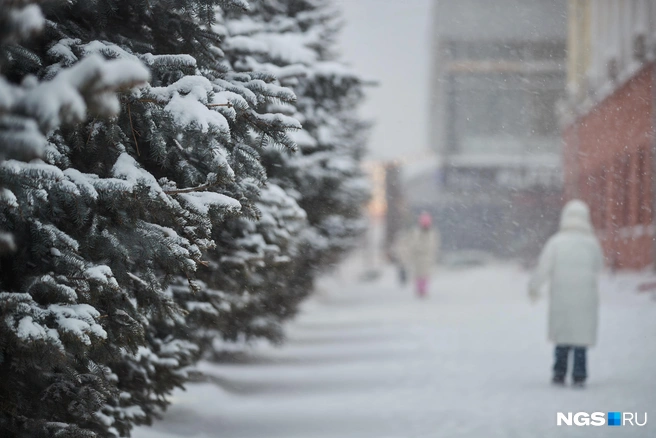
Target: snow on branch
{"x": 20, "y": 23}
{"x": 87, "y": 86}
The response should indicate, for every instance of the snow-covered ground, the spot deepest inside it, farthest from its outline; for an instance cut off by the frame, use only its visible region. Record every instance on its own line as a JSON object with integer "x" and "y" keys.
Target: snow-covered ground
{"x": 368, "y": 360}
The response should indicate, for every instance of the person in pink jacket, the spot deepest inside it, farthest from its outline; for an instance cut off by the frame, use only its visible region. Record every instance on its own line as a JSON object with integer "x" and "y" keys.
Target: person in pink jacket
{"x": 418, "y": 249}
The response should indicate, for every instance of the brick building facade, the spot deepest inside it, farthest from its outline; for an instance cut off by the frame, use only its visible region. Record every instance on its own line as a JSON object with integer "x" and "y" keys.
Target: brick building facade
{"x": 608, "y": 164}
{"x": 609, "y": 123}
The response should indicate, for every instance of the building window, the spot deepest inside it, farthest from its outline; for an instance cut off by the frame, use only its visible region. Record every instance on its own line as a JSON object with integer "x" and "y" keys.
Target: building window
{"x": 485, "y": 50}
{"x": 621, "y": 196}
{"x": 602, "y": 199}
{"x": 492, "y": 111}
{"x": 645, "y": 187}
{"x": 497, "y": 111}
{"x": 545, "y": 51}
{"x": 640, "y": 181}
{"x": 615, "y": 25}
{"x": 543, "y": 103}
{"x": 617, "y": 182}
{"x": 626, "y": 183}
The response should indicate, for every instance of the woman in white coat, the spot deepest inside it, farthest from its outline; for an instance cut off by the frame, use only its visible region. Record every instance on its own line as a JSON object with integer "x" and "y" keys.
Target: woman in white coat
{"x": 570, "y": 263}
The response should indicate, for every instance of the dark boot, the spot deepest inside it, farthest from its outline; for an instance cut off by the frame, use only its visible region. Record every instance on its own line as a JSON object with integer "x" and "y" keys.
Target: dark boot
{"x": 558, "y": 381}
{"x": 561, "y": 355}
{"x": 580, "y": 372}
{"x": 403, "y": 275}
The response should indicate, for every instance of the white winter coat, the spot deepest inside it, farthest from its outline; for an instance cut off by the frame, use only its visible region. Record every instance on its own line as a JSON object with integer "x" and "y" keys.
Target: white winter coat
{"x": 418, "y": 250}
{"x": 570, "y": 263}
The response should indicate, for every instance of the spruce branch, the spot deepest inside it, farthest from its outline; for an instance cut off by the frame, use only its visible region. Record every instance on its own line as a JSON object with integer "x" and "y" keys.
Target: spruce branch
{"x": 178, "y": 145}
{"x": 132, "y": 129}
{"x": 208, "y": 105}
{"x": 199, "y": 188}
{"x": 93, "y": 122}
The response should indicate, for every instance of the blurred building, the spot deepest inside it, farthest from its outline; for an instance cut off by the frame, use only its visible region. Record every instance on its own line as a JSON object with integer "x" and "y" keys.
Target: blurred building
{"x": 387, "y": 212}
{"x": 609, "y": 122}
{"x": 375, "y": 172}
{"x": 395, "y": 202}
{"x": 498, "y": 74}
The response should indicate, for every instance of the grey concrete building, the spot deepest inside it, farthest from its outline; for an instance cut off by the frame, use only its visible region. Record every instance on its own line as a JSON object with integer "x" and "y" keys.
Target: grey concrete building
{"x": 498, "y": 74}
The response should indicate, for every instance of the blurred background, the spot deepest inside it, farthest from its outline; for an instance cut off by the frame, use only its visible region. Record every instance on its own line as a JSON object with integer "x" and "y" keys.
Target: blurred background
{"x": 490, "y": 114}
{"x": 488, "y": 117}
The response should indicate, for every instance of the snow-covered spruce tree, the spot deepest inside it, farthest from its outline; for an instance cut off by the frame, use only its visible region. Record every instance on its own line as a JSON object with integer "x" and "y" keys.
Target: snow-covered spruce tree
{"x": 182, "y": 156}
{"x": 292, "y": 41}
{"x": 20, "y": 137}
{"x": 258, "y": 274}
{"x": 245, "y": 275}
{"x": 252, "y": 257}
{"x": 63, "y": 315}
{"x": 327, "y": 175}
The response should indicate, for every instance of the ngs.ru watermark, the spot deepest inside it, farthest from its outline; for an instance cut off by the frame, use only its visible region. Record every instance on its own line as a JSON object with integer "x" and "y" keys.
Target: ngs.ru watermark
{"x": 600, "y": 419}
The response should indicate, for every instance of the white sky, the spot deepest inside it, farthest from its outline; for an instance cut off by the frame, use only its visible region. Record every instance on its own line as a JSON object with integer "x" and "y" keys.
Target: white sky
{"x": 389, "y": 40}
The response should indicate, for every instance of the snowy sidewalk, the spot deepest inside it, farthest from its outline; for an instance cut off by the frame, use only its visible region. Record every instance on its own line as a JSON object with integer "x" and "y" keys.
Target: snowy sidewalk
{"x": 368, "y": 360}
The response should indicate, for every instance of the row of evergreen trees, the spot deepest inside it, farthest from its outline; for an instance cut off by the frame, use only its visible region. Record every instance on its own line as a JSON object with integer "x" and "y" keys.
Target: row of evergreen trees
{"x": 173, "y": 175}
